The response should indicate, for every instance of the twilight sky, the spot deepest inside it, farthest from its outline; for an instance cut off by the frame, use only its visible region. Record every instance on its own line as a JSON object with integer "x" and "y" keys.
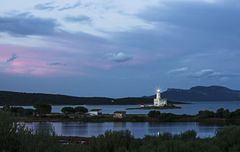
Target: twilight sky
{"x": 118, "y": 48}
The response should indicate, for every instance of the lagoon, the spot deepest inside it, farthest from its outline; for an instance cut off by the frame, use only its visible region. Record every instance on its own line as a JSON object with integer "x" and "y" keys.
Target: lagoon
{"x": 138, "y": 129}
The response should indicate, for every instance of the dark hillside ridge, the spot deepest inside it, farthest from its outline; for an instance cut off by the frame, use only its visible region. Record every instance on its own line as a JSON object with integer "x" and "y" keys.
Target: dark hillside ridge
{"x": 202, "y": 93}
{"x": 17, "y": 98}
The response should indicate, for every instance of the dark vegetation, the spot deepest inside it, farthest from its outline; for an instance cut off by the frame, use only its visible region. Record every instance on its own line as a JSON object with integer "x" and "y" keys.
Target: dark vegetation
{"x": 220, "y": 115}
{"x": 212, "y": 93}
{"x": 42, "y": 108}
{"x": 15, "y": 138}
{"x": 18, "y": 111}
{"x": 169, "y": 117}
{"x": 71, "y": 110}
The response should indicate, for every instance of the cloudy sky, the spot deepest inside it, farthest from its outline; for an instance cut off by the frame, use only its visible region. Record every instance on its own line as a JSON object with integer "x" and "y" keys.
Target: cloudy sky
{"x": 118, "y": 48}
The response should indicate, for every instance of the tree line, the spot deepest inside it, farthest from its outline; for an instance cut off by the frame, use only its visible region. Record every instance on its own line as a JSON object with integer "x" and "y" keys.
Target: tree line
{"x": 202, "y": 114}
{"x": 220, "y": 113}
{"x": 41, "y": 109}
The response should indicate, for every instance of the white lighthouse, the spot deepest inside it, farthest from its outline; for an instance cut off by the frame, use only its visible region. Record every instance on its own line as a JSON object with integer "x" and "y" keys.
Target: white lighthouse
{"x": 158, "y": 102}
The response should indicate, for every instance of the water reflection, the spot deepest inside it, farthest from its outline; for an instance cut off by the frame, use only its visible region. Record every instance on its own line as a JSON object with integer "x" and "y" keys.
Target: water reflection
{"x": 73, "y": 128}
{"x": 171, "y": 127}
{"x": 138, "y": 129}
{"x": 43, "y": 126}
{"x": 209, "y": 131}
{"x": 119, "y": 125}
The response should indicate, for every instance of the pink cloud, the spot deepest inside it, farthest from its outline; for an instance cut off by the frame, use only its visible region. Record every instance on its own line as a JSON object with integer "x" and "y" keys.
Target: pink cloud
{"x": 32, "y": 61}
{"x": 28, "y": 62}
{"x": 37, "y": 62}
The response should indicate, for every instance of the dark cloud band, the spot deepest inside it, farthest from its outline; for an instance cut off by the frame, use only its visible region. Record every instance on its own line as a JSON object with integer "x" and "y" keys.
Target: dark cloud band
{"x": 26, "y": 24}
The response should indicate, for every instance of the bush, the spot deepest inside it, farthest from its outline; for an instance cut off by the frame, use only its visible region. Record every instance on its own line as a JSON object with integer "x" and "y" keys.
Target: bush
{"x": 17, "y": 110}
{"x": 68, "y": 110}
{"x": 189, "y": 135}
{"x": 112, "y": 141}
{"x": 14, "y": 137}
{"x": 43, "y": 108}
{"x": 28, "y": 112}
{"x": 81, "y": 110}
{"x": 206, "y": 114}
{"x": 222, "y": 113}
{"x": 236, "y": 114}
{"x": 228, "y": 139}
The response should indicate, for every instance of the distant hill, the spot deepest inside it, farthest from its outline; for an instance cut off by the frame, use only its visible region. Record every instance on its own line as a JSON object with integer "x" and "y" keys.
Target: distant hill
{"x": 17, "y": 98}
{"x": 202, "y": 93}
{"x": 199, "y": 93}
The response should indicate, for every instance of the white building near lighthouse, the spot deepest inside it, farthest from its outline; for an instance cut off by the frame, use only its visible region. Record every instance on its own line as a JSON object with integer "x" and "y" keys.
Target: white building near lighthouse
{"x": 158, "y": 102}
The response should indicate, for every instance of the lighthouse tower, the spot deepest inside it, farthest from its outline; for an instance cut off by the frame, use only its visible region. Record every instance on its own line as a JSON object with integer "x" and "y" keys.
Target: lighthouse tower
{"x": 158, "y": 102}
{"x": 158, "y": 94}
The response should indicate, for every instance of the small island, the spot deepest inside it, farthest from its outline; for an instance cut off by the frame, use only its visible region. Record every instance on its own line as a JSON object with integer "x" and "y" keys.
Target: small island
{"x": 158, "y": 103}
{"x": 168, "y": 106}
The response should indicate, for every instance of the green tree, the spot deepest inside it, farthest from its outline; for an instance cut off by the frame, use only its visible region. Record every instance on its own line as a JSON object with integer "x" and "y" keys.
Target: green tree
{"x": 43, "y": 108}
{"x": 223, "y": 113}
{"x": 81, "y": 110}
{"x": 6, "y": 108}
{"x": 28, "y": 112}
{"x": 17, "y": 110}
{"x": 236, "y": 113}
{"x": 205, "y": 114}
{"x": 68, "y": 110}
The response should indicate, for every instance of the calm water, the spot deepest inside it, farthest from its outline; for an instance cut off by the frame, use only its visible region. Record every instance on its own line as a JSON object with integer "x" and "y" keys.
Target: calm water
{"x": 138, "y": 129}
{"x": 191, "y": 109}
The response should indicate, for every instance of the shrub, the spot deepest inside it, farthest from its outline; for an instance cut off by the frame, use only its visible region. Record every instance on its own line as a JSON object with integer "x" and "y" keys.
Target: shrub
{"x": 14, "y": 137}
{"x": 81, "y": 110}
{"x": 68, "y": 110}
{"x": 43, "y": 108}
{"x": 205, "y": 114}
{"x": 222, "y": 113}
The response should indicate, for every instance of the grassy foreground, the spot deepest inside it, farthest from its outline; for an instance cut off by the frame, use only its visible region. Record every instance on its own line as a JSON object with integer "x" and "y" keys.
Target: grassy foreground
{"x": 15, "y": 138}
